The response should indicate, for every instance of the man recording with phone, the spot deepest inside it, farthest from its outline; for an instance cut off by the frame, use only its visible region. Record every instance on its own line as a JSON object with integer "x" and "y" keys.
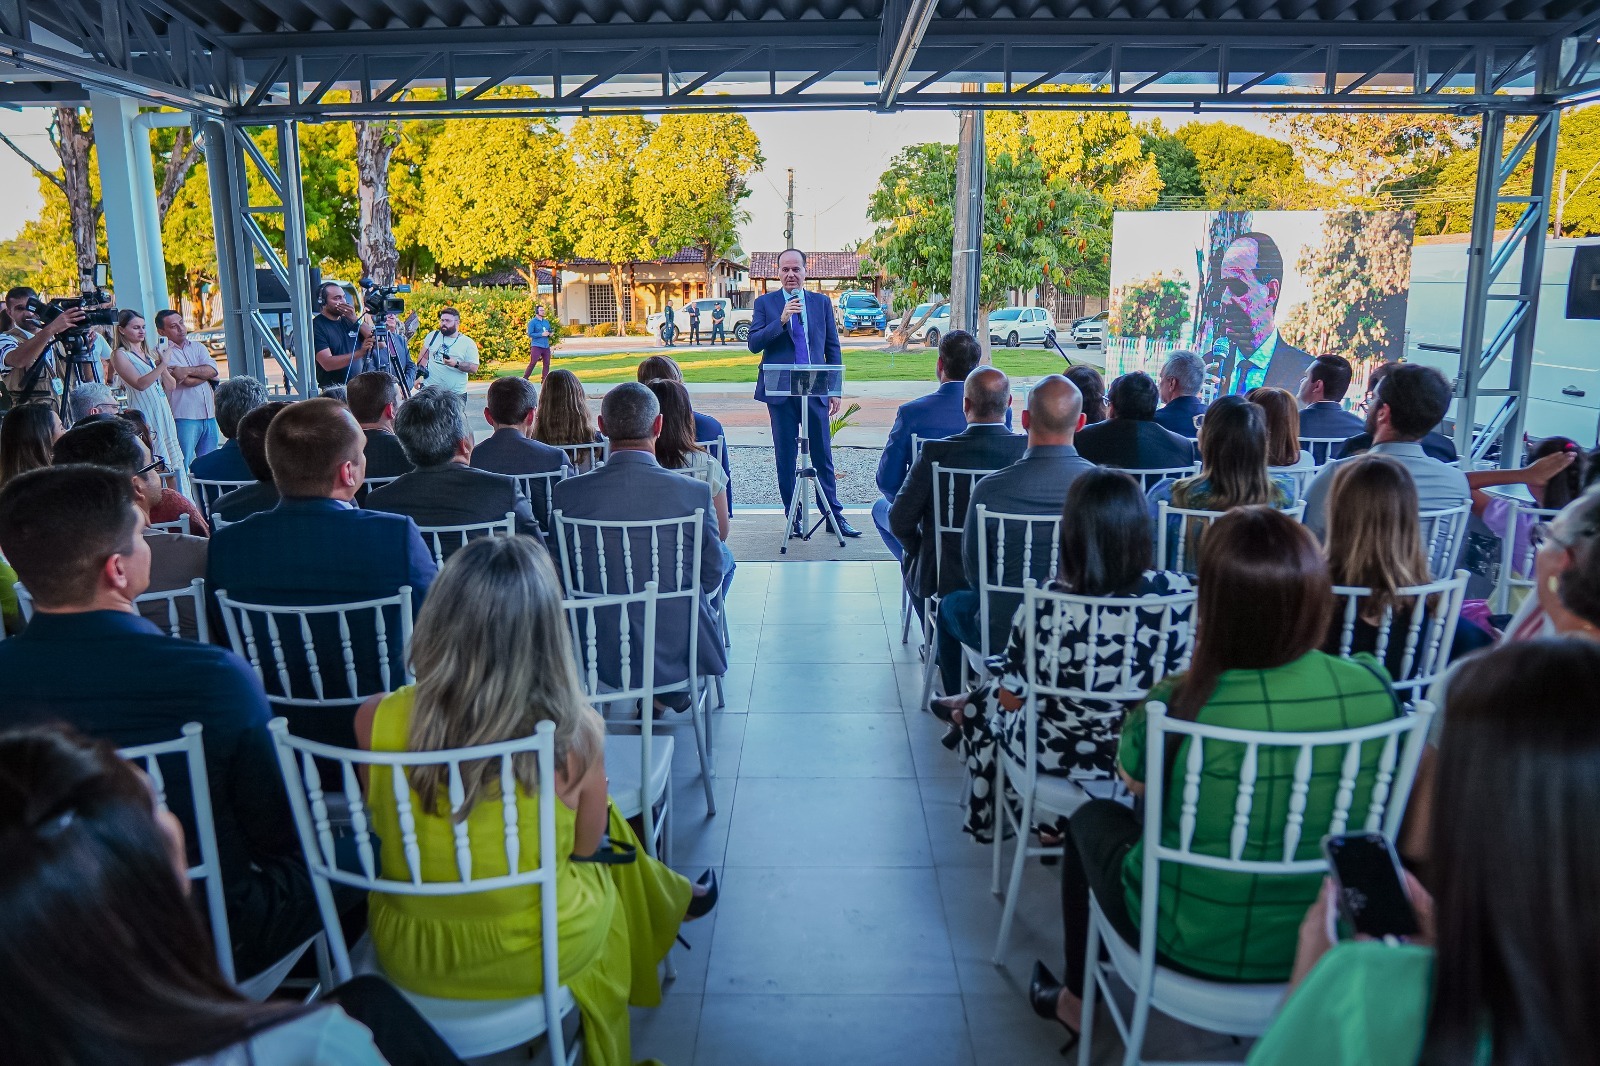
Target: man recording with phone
{"x": 340, "y": 338}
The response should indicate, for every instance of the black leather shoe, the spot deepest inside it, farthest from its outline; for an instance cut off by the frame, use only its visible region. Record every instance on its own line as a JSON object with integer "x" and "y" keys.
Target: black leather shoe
{"x": 700, "y": 906}
{"x": 1044, "y": 991}
{"x": 845, "y": 528}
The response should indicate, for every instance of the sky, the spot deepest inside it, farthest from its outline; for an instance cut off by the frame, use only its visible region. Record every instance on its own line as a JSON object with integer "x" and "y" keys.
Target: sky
{"x": 836, "y": 156}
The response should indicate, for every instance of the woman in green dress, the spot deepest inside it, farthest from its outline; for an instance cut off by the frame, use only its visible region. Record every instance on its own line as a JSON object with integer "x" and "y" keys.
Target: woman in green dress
{"x": 1507, "y": 969}
{"x": 1265, "y": 601}
{"x": 493, "y": 659}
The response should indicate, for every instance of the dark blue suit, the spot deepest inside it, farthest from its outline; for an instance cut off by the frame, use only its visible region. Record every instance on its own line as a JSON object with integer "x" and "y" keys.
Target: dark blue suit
{"x": 310, "y": 551}
{"x": 1178, "y": 416}
{"x": 934, "y": 416}
{"x": 770, "y": 339}
{"x": 708, "y": 429}
{"x": 224, "y": 464}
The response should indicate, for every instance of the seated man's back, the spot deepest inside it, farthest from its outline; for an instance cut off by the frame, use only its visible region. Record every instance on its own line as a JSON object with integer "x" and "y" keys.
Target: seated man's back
{"x": 262, "y": 494}
{"x": 176, "y": 559}
{"x": 89, "y": 660}
{"x": 1131, "y": 439}
{"x": 507, "y": 451}
{"x": 633, "y": 487}
{"x": 241, "y": 503}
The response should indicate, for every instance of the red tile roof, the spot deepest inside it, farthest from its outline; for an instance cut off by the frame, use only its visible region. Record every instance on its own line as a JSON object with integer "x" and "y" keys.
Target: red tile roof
{"x": 819, "y": 265}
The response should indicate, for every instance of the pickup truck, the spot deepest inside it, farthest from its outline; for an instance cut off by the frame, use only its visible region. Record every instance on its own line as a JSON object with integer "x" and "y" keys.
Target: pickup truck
{"x": 736, "y": 324}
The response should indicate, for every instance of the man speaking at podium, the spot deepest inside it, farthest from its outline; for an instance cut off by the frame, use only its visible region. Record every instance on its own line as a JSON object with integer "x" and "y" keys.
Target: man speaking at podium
{"x": 793, "y": 326}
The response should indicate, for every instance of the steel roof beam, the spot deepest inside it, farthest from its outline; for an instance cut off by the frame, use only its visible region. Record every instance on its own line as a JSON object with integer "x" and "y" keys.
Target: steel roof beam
{"x": 899, "y": 37}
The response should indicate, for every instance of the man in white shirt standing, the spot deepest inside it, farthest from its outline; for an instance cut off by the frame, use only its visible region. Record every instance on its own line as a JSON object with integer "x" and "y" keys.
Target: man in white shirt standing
{"x": 193, "y": 371}
{"x": 449, "y": 356}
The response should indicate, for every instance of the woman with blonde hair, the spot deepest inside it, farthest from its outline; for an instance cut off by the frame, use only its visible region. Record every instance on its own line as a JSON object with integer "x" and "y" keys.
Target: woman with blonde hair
{"x": 563, "y": 418}
{"x": 493, "y": 659}
{"x": 149, "y": 382}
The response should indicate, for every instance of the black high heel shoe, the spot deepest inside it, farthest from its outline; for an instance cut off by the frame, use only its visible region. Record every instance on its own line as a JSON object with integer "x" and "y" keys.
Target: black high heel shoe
{"x": 1044, "y": 992}
{"x": 700, "y": 906}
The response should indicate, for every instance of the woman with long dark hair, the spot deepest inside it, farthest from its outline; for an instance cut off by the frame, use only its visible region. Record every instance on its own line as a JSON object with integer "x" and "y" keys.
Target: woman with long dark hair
{"x": 1105, "y": 551}
{"x": 677, "y": 449}
{"x": 27, "y": 435}
{"x": 1263, "y": 610}
{"x": 563, "y": 416}
{"x": 107, "y": 956}
{"x": 1507, "y": 968}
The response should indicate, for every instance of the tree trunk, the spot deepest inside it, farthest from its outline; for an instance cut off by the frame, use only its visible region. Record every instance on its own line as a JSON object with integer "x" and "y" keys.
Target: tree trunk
{"x": 73, "y": 142}
{"x": 900, "y": 340}
{"x": 185, "y": 152}
{"x": 375, "y": 144}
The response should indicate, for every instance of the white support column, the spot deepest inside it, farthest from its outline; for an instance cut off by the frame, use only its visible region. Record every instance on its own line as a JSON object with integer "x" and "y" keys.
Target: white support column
{"x": 133, "y": 233}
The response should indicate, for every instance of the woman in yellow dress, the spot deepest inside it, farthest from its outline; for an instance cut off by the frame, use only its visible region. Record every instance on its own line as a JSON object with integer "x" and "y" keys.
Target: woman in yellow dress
{"x": 492, "y": 658}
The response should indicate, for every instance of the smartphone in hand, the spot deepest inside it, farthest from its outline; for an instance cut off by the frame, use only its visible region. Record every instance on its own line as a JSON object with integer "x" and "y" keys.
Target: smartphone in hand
{"x": 1371, "y": 890}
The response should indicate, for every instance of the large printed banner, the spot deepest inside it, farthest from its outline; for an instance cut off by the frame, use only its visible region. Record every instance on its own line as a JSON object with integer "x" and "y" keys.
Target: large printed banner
{"x": 1260, "y": 294}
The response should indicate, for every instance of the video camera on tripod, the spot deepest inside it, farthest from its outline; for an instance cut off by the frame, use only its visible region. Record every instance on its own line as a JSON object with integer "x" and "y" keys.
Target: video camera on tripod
{"x": 379, "y": 302}
{"x": 77, "y": 343}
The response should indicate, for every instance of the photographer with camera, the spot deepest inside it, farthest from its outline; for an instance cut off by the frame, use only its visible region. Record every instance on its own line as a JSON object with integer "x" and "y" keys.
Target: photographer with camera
{"x": 30, "y": 367}
{"x": 339, "y": 336}
{"x": 449, "y": 356}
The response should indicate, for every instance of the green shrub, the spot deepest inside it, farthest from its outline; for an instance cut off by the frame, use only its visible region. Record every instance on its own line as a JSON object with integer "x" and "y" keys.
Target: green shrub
{"x": 496, "y": 318}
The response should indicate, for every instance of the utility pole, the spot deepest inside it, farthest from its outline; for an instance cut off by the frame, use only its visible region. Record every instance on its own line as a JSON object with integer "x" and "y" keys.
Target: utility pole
{"x": 788, "y": 218}
{"x": 967, "y": 249}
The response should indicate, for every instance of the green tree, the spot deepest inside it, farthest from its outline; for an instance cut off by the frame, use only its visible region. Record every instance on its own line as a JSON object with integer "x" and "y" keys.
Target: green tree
{"x": 1156, "y": 307}
{"x": 1035, "y": 229}
{"x": 692, "y": 174}
{"x": 1357, "y": 307}
{"x": 1175, "y": 163}
{"x": 1358, "y": 155}
{"x": 604, "y": 220}
{"x": 492, "y": 192}
{"x": 1099, "y": 150}
{"x": 1240, "y": 170}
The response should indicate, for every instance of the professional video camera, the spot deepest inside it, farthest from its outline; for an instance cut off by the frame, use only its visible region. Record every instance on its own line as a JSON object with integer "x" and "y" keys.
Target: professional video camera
{"x": 380, "y": 302}
{"x": 77, "y": 344}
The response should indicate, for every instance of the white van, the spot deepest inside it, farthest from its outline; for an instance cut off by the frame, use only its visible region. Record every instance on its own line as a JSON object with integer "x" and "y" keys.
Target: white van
{"x": 1564, "y": 386}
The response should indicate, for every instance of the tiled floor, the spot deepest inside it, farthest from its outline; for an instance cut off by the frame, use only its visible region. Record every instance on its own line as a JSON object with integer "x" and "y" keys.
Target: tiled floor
{"x": 856, "y": 920}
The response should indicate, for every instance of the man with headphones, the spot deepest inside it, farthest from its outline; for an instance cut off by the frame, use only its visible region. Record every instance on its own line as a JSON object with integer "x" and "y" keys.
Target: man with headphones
{"x": 340, "y": 339}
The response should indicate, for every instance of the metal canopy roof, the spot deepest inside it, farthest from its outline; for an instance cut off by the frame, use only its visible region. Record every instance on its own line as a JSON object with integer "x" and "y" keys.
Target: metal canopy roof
{"x": 276, "y": 59}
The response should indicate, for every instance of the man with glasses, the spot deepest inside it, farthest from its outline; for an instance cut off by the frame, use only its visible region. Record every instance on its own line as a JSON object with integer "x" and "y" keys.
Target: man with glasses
{"x": 175, "y": 559}
{"x": 1406, "y": 405}
{"x": 1250, "y": 283}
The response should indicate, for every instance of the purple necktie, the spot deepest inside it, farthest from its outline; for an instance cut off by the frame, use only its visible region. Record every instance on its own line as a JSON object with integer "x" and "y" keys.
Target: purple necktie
{"x": 797, "y": 330}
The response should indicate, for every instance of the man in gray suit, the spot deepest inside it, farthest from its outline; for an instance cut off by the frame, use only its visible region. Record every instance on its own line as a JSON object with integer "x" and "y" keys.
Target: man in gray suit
{"x": 986, "y": 444}
{"x": 1036, "y": 484}
{"x": 633, "y": 487}
{"x": 444, "y": 490}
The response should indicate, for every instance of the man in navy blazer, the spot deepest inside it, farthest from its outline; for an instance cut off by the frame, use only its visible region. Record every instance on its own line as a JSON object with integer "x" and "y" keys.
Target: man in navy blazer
{"x": 1322, "y": 414}
{"x": 932, "y": 417}
{"x": 1181, "y": 380}
{"x": 789, "y": 327}
{"x": 316, "y": 547}
{"x": 1131, "y": 439}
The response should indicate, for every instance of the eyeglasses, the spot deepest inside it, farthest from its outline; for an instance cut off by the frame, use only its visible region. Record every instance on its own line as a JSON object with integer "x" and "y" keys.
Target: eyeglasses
{"x": 157, "y": 463}
{"x": 1234, "y": 287}
{"x": 1545, "y": 533}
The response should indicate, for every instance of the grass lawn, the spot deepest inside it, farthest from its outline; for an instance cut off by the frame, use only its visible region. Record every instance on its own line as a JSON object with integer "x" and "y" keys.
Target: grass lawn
{"x": 736, "y": 365}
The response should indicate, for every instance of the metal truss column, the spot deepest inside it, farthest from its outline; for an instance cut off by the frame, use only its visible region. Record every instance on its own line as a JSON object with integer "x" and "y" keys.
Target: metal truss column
{"x": 966, "y": 266}
{"x": 1487, "y": 260}
{"x": 275, "y": 322}
{"x": 133, "y": 233}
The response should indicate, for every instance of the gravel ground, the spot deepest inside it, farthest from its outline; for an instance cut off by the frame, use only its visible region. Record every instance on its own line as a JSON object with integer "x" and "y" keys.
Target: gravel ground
{"x": 755, "y": 478}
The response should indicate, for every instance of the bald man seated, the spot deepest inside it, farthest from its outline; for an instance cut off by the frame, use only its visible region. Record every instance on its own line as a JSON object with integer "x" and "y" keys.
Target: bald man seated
{"x": 1035, "y": 484}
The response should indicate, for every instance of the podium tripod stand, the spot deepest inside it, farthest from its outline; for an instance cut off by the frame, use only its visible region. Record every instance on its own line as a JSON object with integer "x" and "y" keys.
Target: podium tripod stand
{"x": 805, "y": 380}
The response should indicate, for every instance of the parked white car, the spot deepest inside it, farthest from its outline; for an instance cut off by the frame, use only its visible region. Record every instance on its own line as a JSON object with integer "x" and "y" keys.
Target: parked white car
{"x": 736, "y": 324}
{"x": 937, "y": 325}
{"x": 1014, "y": 326}
{"x": 1091, "y": 332}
